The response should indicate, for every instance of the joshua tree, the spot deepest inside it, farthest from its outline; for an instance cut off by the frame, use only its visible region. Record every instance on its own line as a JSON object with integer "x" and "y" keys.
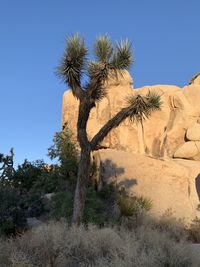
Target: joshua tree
{"x": 74, "y": 69}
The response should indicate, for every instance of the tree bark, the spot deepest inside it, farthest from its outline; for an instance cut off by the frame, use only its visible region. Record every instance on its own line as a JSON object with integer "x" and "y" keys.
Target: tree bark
{"x": 112, "y": 123}
{"x": 86, "y": 147}
{"x": 82, "y": 181}
{"x": 84, "y": 163}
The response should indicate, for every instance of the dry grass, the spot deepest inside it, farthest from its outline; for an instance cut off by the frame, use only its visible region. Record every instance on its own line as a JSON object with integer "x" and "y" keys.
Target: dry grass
{"x": 56, "y": 245}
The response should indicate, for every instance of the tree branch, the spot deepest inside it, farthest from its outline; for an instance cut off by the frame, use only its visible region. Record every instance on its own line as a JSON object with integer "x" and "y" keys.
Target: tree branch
{"x": 85, "y": 106}
{"x": 112, "y": 123}
{"x": 139, "y": 107}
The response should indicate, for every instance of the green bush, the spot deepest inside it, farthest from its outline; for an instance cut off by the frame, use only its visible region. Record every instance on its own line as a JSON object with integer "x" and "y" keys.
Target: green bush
{"x": 27, "y": 185}
{"x": 96, "y": 208}
{"x": 32, "y": 204}
{"x": 131, "y": 206}
{"x": 27, "y": 174}
{"x": 99, "y": 205}
{"x": 12, "y": 216}
{"x": 61, "y": 205}
{"x": 48, "y": 181}
{"x": 65, "y": 151}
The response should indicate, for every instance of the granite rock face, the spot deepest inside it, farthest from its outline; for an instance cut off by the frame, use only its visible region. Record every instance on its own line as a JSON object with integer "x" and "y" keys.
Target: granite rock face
{"x": 193, "y": 132}
{"x": 159, "y": 136}
{"x": 141, "y": 157}
{"x": 189, "y": 150}
{"x": 172, "y": 184}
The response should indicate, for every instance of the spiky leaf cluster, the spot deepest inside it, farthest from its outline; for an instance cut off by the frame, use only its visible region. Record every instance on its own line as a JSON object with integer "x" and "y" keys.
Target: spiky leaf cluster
{"x": 108, "y": 59}
{"x": 141, "y": 107}
{"x": 98, "y": 73}
{"x": 122, "y": 56}
{"x": 154, "y": 101}
{"x": 103, "y": 48}
{"x": 73, "y": 63}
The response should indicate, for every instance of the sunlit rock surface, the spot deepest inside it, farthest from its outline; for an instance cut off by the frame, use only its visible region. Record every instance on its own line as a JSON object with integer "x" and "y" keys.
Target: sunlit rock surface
{"x": 146, "y": 152}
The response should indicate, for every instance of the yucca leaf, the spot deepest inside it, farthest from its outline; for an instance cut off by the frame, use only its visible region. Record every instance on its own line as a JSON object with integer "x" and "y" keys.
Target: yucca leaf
{"x": 154, "y": 101}
{"x": 140, "y": 107}
{"x": 103, "y": 48}
{"x": 122, "y": 55}
{"x": 73, "y": 63}
{"x": 98, "y": 73}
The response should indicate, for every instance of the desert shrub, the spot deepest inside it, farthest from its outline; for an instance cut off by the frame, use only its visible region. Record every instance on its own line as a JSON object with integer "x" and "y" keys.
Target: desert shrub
{"x": 12, "y": 216}
{"x": 55, "y": 244}
{"x": 27, "y": 174}
{"x": 49, "y": 180}
{"x": 97, "y": 209}
{"x": 112, "y": 203}
{"x": 36, "y": 176}
{"x": 130, "y": 206}
{"x": 40, "y": 177}
{"x": 169, "y": 223}
{"x": 194, "y": 231}
{"x": 98, "y": 206}
{"x": 35, "y": 179}
{"x": 65, "y": 151}
{"x": 61, "y": 205}
{"x": 32, "y": 203}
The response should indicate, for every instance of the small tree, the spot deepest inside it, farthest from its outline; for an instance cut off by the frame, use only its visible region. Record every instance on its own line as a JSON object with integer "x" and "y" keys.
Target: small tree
{"x": 65, "y": 150}
{"x": 108, "y": 61}
{"x": 6, "y": 167}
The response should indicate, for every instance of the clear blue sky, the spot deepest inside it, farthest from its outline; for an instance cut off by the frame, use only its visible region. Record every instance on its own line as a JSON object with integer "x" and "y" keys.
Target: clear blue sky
{"x": 166, "y": 44}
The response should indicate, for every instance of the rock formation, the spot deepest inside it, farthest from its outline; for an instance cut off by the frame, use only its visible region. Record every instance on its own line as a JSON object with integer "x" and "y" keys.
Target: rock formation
{"x": 172, "y": 185}
{"x": 160, "y": 136}
{"x": 172, "y": 132}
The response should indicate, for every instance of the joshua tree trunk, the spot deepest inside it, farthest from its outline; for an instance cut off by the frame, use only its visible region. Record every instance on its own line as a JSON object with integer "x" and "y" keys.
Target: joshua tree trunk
{"x": 86, "y": 148}
{"x": 82, "y": 181}
{"x": 84, "y": 162}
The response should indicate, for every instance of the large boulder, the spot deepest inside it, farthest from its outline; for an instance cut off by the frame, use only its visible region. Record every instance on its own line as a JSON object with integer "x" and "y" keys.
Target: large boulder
{"x": 141, "y": 157}
{"x": 189, "y": 150}
{"x": 159, "y": 136}
{"x": 171, "y": 184}
{"x": 193, "y": 132}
